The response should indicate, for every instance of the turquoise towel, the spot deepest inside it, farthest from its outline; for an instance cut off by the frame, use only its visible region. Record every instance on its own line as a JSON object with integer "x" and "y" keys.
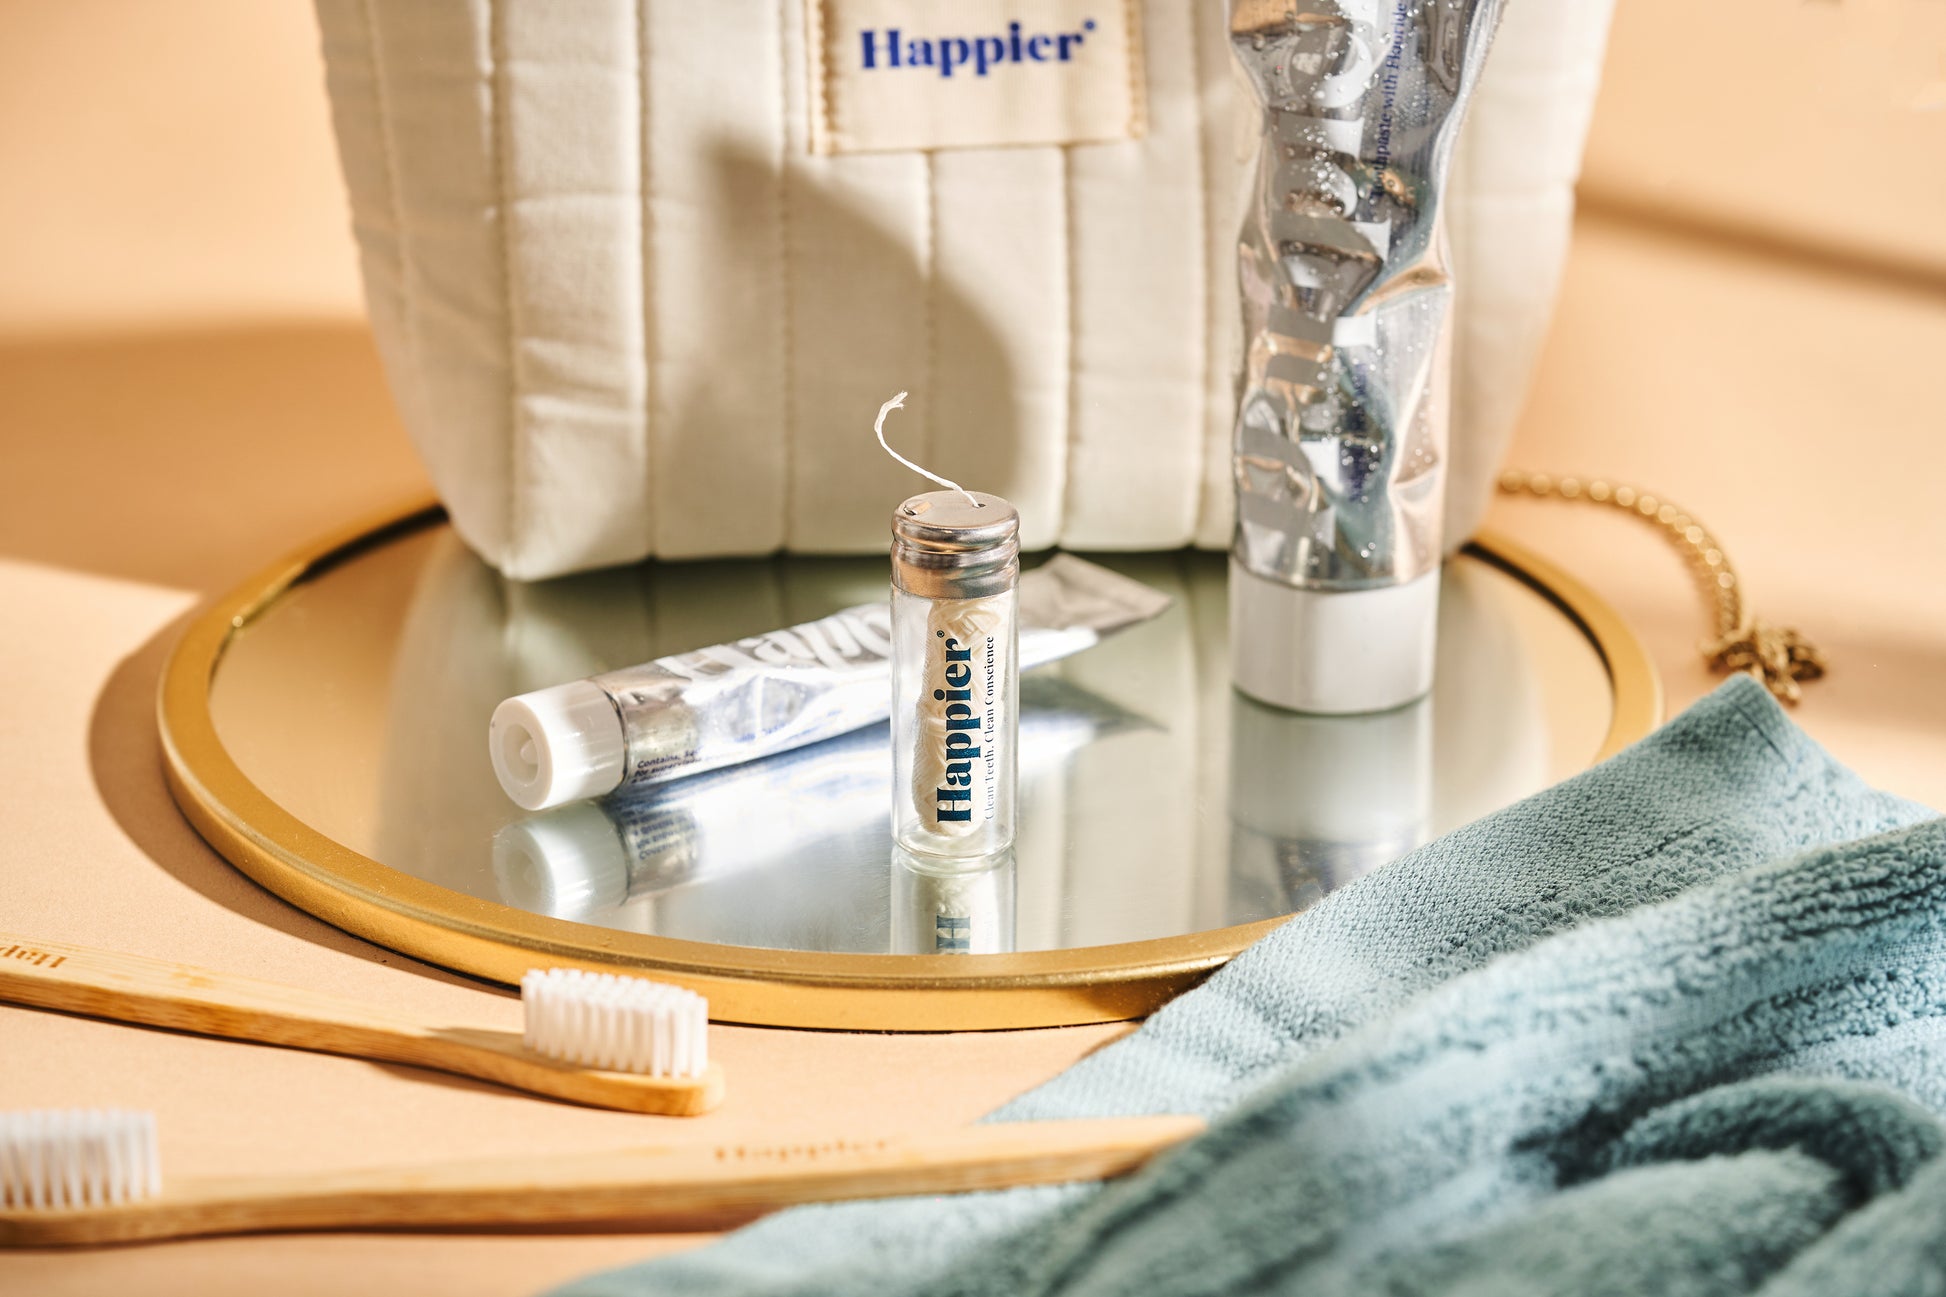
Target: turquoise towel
{"x": 1677, "y": 1025}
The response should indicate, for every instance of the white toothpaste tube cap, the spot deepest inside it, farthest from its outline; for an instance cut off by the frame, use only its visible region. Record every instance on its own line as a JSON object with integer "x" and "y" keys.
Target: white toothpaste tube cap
{"x": 1334, "y": 652}
{"x": 558, "y": 745}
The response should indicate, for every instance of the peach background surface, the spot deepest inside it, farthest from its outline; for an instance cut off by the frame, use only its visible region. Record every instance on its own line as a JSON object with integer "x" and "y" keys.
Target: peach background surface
{"x": 1752, "y": 325}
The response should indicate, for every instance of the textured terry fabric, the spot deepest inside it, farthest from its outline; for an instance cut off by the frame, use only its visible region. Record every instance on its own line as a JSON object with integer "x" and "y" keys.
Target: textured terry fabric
{"x": 1676, "y": 1025}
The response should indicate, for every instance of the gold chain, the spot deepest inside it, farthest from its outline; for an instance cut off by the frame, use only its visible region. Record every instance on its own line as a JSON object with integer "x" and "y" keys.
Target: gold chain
{"x": 1777, "y": 656}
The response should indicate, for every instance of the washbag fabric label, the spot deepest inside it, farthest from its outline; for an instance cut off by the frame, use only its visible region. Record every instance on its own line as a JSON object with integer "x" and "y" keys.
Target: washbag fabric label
{"x": 905, "y": 75}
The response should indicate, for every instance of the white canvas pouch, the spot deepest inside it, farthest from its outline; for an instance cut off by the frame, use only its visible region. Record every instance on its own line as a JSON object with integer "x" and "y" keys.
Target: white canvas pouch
{"x": 642, "y": 271}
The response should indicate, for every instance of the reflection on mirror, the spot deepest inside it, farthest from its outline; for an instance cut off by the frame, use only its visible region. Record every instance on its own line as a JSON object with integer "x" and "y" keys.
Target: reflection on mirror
{"x": 1315, "y": 801}
{"x": 1154, "y": 800}
{"x": 968, "y": 910}
{"x": 826, "y": 802}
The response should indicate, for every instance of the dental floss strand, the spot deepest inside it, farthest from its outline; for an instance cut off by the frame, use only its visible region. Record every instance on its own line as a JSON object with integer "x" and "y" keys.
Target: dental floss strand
{"x": 955, "y": 597}
{"x": 878, "y": 426}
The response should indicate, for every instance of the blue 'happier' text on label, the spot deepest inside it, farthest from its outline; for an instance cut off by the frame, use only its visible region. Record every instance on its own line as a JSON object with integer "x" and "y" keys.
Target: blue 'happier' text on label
{"x": 962, "y": 733}
{"x": 947, "y": 54}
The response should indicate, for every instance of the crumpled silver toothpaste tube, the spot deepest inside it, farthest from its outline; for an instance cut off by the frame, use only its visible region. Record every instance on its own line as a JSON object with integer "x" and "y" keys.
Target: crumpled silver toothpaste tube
{"x": 731, "y": 703}
{"x": 1347, "y": 301}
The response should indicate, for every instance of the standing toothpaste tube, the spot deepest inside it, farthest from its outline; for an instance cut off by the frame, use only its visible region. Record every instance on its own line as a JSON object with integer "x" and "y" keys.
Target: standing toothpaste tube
{"x": 1347, "y": 302}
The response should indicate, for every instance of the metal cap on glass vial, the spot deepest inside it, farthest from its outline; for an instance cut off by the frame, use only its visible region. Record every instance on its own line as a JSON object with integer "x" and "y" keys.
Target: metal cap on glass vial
{"x": 946, "y": 548}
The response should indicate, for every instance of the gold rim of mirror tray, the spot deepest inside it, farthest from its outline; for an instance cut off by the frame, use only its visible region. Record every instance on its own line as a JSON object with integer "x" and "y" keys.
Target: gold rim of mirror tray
{"x": 744, "y": 984}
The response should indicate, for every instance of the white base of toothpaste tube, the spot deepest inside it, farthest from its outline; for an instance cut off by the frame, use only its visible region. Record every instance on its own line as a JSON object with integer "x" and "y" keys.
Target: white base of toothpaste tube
{"x": 557, "y": 745}
{"x": 1333, "y": 652}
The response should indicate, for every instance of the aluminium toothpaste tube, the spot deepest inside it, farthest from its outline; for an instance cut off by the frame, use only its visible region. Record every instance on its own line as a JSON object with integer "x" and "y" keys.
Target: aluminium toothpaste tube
{"x": 732, "y": 703}
{"x": 1340, "y": 440}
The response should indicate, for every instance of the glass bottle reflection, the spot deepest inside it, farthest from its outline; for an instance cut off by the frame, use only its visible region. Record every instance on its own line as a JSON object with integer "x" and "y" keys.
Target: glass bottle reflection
{"x": 952, "y": 911}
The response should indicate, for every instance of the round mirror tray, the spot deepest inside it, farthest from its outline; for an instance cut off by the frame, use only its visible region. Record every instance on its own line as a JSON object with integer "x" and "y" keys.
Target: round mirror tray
{"x": 324, "y": 727}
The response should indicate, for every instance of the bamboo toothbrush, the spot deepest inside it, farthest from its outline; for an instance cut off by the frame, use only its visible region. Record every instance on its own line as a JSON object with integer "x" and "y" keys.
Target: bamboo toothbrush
{"x": 606, "y": 1041}
{"x": 74, "y": 1177}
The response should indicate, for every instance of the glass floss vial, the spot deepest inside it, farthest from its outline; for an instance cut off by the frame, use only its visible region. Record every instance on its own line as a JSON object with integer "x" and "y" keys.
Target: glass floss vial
{"x": 955, "y": 678}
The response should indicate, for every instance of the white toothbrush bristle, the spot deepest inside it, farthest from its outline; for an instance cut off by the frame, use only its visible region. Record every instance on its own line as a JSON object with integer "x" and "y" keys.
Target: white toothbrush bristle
{"x": 619, "y": 1024}
{"x": 58, "y": 1159}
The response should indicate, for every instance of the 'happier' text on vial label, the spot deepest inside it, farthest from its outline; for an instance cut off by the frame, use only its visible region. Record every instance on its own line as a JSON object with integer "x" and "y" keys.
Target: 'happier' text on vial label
{"x": 966, "y": 690}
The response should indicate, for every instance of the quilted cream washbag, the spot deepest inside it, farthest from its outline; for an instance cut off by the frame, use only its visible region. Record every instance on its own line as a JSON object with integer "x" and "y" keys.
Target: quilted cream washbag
{"x": 626, "y": 309}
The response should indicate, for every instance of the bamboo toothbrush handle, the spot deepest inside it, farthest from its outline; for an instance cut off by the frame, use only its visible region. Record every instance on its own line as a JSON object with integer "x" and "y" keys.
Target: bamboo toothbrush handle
{"x": 709, "y": 1187}
{"x": 154, "y": 992}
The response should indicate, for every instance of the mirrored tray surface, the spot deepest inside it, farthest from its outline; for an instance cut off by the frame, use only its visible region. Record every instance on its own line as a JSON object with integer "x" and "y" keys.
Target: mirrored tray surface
{"x": 326, "y": 729}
